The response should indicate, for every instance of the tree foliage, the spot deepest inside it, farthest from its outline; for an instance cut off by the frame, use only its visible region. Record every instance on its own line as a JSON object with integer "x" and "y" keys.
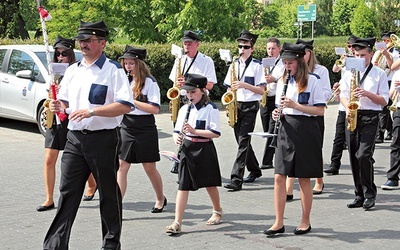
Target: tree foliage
{"x": 343, "y": 12}
{"x": 387, "y": 12}
{"x": 12, "y": 24}
{"x": 364, "y": 21}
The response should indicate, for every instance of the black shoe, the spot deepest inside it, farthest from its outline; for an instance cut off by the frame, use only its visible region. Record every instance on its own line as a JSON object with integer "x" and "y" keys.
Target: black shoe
{"x": 289, "y": 197}
{"x": 318, "y": 191}
{"x": 379, "y": 138}
{"x": 368, "y": 203}
{"x": 159, "y": 210}
{"x": 298, "y": 231}
{"x": 233, "y": 186}
{"x": 44, "y": 208}
{"x": 271, "y": 232}
{"x": 332, "y": 171}
{"x": 355, "y": 203}
{"x": 89, "y": 197}
{"x": 388, "y": 137}
{"x": 251, "y": 178}
{"x": 268, "y": 166}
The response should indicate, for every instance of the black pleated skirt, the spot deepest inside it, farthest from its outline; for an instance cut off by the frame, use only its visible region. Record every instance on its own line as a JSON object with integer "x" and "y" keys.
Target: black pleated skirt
{"x": 299, "y": 147}
{"x": 199, "y": 166}
{"x": 139, "y": 139}
{"x": 56, "y": 136}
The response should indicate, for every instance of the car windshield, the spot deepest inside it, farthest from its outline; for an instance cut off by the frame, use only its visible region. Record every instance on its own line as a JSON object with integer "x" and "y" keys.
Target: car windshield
{"x": 42, "y": 57}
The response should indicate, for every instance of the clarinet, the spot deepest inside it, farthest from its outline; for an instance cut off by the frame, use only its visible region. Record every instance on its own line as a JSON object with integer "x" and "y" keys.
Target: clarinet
{"x": 280, "y": 108}
{"x": 174, "y": 169}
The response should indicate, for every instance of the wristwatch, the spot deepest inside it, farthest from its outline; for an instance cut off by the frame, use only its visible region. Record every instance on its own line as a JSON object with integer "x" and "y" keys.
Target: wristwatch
{"x": 91, "y": 112}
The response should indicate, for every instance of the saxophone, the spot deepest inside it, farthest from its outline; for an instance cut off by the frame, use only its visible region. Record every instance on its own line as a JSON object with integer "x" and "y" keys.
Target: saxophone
{"x": 229, "y": 98}
{"x": 174, "y": 93}
{"x": 264, "y": 98}
{"x": 353, "y": 103}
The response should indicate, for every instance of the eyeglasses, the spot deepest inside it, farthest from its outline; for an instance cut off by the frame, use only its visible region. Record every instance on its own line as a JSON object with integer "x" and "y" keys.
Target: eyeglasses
{"x": 63, "y": 53}
{"x": 89, "y": 40}
{"x": 349, "y": 46}
{"x": 244, "y": 46}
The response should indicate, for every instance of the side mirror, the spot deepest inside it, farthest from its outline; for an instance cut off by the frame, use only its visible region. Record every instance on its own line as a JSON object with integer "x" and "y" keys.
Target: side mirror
{"x": 25, "y": 74}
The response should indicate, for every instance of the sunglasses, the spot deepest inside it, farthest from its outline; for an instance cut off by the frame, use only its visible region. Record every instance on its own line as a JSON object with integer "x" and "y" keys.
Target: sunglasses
{"x": 58, "y": 53}
{"x": 349, "y": 46}
{"x": 244, "y": 46}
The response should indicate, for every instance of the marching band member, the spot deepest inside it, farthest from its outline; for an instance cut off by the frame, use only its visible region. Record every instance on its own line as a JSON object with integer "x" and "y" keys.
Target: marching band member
{"x": 372, "y": 92}
{"x": 198, "y": 167}
{"x": 339, "y": 142}
{"x": 249, "y": 89}
{"x": 322, "y": 73}
{"x": 268, "y": 124}
{"x": 394, "y": 171}
{"x": 388, "y": 57}
{"x": 299, "y": 151}
{"x": 139, "y": 137}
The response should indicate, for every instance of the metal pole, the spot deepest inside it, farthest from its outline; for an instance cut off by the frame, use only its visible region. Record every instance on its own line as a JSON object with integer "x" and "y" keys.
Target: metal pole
{"x": 312, "y": 30}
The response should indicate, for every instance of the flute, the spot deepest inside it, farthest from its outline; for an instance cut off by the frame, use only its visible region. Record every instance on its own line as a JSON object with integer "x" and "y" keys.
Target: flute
{"x": 280, "y": 108}
{"x": 174, "y": 169}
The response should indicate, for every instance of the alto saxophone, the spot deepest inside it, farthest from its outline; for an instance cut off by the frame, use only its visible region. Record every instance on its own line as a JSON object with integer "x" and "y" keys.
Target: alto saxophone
{"x": 353, "y": 103}
{"x": 174, "y": 93}
{"x": 264, "y": 98}
{"x": 229, "y": 98}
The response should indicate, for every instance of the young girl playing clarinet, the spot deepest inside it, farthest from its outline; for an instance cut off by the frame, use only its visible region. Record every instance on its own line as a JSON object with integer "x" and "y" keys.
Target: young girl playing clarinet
{"x": 299, "y": 150}
{"x": 199, "y": 165}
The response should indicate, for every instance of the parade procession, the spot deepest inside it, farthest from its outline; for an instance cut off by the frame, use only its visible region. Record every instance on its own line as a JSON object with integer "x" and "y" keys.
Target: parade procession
{"x": 285, "y": 150}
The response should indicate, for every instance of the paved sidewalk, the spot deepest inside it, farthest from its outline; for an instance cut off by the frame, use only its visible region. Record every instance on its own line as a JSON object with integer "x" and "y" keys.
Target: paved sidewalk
{"x": 246, "y": 213}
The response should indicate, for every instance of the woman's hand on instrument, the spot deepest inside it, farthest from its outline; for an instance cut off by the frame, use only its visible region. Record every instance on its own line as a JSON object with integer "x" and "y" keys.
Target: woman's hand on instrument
{"x": 286, "y": 102}
{"x": 188, "y": 129}
{"x": 177, "y": 138}
{"x": 275, "y": 114}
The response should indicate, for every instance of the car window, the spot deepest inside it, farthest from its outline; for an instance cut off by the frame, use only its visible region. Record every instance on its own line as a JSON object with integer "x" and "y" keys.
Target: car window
{"x": 2, "y": 54}
{"x": 43, "y": 59}
{"x": 20, "y": 60}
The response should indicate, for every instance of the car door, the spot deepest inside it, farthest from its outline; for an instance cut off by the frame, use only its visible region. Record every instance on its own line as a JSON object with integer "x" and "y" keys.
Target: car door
{"x": 18, "y": 94}
{"x": 2, "y": 75}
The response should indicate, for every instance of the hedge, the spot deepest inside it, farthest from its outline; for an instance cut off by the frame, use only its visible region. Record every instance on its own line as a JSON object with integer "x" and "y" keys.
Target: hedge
{"x": 160, "y": 60}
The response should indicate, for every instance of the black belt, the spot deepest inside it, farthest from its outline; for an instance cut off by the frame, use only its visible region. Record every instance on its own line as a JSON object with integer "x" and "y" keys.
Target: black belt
{"x": 368, "y": 112}
{"x": 86, "y": 131}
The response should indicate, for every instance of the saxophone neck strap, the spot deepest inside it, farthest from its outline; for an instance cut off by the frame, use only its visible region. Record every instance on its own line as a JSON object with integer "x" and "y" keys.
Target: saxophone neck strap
{"x": 365, "y": 74}
{"x": 184, "y": 66}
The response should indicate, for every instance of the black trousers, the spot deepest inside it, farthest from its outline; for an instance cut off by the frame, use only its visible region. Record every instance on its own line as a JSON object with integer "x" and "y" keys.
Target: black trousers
{"x": 95, "y": 152}
{"x": 339, "y": 140}
{"x": 247, "y": 112}
{"x": 361, "y": 143}
{"x": 268, "y": 125}
{"x": 394, "y": 171}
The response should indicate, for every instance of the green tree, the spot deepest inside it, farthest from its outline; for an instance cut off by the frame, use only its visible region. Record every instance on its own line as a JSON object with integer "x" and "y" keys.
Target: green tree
{"x": 288, "y": 16}
{"x": 12, "y": 24}
{"x": 343, "y": 11}
{"x": 387, "y": 11}
{"x": 364, "y": 21}
{"x": 324, "y": 14}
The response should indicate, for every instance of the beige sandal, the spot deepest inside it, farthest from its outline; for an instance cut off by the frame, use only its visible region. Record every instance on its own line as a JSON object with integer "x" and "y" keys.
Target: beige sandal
{"x": 174, "y": 228}
{"x": 212, "y": 220}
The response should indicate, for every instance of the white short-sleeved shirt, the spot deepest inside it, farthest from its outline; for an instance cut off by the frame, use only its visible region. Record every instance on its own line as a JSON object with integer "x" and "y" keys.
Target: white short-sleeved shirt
{"x": 253, "y": 74}
{"x": 202, "y": 65}
{"x": 396, "y": 77}
{"x": 206, "y": 118}
{"x": 277, "y": 72}
{"x": 86, "y": 87}
{"x": 323, "y": 74}
{"x": 152, "y": 93}
{"x": 312, "y": 96}
{"x": 375, "y": 82}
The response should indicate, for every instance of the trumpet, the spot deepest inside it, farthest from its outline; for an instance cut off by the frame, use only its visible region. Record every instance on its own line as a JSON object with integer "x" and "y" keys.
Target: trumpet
{"x": 396, "y": 97}
{"x": 333, "y": 95}
{"x": 341, "y": 62}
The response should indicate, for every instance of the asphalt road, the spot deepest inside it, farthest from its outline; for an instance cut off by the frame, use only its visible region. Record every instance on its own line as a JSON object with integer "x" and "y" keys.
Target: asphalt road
{"x": 246, "y": 213}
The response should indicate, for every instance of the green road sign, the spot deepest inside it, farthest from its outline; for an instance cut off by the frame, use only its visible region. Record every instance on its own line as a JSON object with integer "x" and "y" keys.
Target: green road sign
{"x": 307, "y": 13}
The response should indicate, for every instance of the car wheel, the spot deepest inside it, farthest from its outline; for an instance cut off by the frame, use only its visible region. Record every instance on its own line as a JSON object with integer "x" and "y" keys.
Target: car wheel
{"x": 41, "y": 120}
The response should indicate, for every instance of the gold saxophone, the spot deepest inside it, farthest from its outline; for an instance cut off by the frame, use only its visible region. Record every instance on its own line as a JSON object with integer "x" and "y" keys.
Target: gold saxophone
{"x": 49, "y": 114}
{"x": 264, "y": 98}
{"x": 396, "y": 96}
{"x": 174, "y": 93}
{"x": 353, "y": 103}
{"x": 229, "y": 98}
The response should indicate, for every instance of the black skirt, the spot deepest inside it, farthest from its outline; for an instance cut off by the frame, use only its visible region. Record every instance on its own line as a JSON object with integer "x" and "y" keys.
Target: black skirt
{"x": 56, "y": 136}
{"x": 199, "y": 166}
{"x": 139, "y": 139}
{"x": 299, "y": 147}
